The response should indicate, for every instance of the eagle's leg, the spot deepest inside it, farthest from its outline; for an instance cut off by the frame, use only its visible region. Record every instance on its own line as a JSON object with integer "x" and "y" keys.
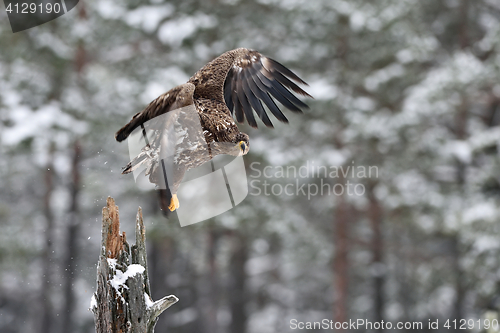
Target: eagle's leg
{"x": 174, "y": 203}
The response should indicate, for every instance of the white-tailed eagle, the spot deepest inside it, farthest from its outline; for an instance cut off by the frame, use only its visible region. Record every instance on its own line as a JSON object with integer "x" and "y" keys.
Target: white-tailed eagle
{"x": 238, "y": 82}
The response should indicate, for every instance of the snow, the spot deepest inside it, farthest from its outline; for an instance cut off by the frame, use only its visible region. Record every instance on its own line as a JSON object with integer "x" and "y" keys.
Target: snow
{"x": 263, "y": 321}
{"x": 442, "y": 298}
{"x": 175, "y": 31}
{"x": 413, "y": 187}
{"x": 184, "y": 316}
{"x": 93, "y": 302}
{"x": 383, "y": 75}
{"x": 58, "y": 46}
{"x": 164, "y": 80}
{"x": 149, "y": 301}
{"x": 120, "y": 278}
{"x": 112, "y": 263}
{"x": 357, "y": 20}
{"x": 152, "y": 91}
{"x": 481, "y": 211}
{"x": 486, "y": 243}
{"x": 259, "y": 265}
{"x": 485, "y": 138}
{"x": 460, "y": 150}
{"x": 110, "y": 9}
{"x": 29, "y": 123}
{"x": 148, "y": 17}
{"x": 321, "y": 89}
{"x": 364, "y": 104}
{"x": 404, "y": 56}
{"x": 463, "y": 67}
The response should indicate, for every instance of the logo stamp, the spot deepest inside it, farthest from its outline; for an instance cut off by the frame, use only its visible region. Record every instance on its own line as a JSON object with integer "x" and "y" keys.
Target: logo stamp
{"x": 26, "y": 14}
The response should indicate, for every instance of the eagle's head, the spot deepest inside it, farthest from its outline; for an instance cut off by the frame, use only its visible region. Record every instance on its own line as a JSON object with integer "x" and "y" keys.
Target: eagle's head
{"x": 243, "y": 143}
{"x": 239, "y": 146}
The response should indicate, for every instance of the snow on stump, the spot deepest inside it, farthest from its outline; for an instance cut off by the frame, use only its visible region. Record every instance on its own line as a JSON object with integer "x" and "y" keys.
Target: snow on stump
{"x": 122, "y": 302}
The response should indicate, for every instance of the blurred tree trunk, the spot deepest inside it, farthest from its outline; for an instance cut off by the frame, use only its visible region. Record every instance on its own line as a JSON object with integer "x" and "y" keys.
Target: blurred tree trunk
{"x": 461, "y": 170}
{"x": 161, "y": 256}
{"x": 403, "y": 242}
{"x": 45, "y": 296}
{"x": 237, "y": 293}
{"x": 211, "y": 301}
{"x": 70, "y": 259}
{"x": 341, "y": 260}
{"x": 464, "y": 24}
{"x": 461, "y": 121}
{"x": 377, "y": 245}
{"x": 341, "y": 214}
{"x": 72, "y": 249}
{"x": 459, "y": 284}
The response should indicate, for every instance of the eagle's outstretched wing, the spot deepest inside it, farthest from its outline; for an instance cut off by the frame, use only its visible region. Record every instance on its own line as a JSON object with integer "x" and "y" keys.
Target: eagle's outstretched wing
{"x": 253, "y": 79}
{"x": 175, "y": 98}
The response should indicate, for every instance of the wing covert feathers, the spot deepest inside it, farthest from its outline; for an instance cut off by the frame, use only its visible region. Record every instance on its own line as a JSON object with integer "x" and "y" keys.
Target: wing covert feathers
{"x": 177, "y": 97}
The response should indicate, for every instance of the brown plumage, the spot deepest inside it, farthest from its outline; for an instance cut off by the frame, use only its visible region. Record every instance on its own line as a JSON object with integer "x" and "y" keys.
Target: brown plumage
{"x": 237, "y": 83}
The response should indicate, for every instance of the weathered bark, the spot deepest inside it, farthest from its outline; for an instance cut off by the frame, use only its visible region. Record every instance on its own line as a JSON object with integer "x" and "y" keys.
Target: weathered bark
{"x": 122, "y": 302}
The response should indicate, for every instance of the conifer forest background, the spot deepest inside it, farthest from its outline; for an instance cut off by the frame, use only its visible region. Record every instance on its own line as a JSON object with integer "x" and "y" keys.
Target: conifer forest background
{"x": 410, "y": 88}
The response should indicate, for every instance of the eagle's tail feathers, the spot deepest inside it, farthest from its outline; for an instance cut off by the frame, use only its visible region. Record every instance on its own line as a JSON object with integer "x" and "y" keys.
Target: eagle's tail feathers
{"x": 125, "y": 131}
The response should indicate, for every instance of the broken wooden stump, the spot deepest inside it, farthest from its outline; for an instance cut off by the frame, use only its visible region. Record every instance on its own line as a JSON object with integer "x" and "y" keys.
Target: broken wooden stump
{"x": 122, "y": 302}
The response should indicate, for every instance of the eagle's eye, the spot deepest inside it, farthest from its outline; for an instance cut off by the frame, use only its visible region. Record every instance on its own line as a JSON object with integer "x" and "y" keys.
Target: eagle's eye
{"x": 242, "y": 146}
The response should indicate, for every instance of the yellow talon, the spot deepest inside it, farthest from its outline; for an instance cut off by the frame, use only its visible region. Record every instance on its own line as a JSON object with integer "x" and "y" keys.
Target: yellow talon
{"x": 174, "y": 203}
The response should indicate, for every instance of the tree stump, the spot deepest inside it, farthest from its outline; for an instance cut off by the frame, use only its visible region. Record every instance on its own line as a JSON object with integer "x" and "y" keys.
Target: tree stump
{"x": 122, "y": 302}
